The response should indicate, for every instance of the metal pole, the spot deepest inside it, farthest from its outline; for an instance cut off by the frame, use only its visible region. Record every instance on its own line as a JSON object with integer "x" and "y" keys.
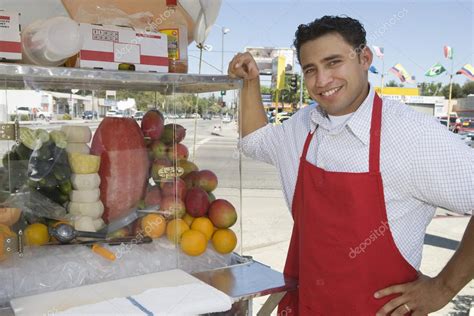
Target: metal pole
{"x": 448, "y": 120}
{"x": 222, "y": 54}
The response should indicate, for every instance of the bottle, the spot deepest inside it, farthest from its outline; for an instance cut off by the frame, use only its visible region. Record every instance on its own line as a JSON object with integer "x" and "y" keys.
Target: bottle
{"x": 175, "y": 27}
{"x": 50, "y": 42}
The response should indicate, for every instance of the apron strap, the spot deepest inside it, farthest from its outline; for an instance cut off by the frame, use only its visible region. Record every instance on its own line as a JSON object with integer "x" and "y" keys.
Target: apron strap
{"x": 375, "y": 129}
{"x": 306, "y": 144}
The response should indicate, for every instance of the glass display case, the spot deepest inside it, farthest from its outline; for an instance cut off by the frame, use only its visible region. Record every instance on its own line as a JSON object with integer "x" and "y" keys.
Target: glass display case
{"x": 109, "y": 175}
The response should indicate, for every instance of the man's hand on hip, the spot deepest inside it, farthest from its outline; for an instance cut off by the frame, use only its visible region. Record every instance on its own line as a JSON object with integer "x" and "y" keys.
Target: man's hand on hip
{"x": 420, "y": 297}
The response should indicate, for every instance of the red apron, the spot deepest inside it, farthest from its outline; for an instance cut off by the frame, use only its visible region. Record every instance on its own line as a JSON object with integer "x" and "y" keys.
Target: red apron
{"x": 341, "y": 248}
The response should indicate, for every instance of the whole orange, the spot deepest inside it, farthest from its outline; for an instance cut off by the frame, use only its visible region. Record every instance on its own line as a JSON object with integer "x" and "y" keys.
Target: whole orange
{"x": 175, "y": 229}
{"x": 36, "y": 234}
{"x": 204, "y": 225}
{"x": 153, "y": 225}
{"x": 193, "y": 242}
{"x": 224, "y": 240}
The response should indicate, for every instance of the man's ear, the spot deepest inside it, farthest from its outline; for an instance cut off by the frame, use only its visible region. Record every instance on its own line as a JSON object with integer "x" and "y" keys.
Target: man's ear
{"x": 366, "y": 58}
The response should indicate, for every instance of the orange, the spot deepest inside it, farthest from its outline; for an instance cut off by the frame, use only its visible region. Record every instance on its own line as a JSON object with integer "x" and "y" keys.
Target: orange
{"x": 204, "y": 225}
{"x": 36, "y": 234}
{"x": 224, "y": 240}
{"x": 153, "y": 225}
{"x": 175, "y": 229}
{"x": 6, "y": 231}
{"x": 188, "y": 219}
{"x": 193, "y": 242}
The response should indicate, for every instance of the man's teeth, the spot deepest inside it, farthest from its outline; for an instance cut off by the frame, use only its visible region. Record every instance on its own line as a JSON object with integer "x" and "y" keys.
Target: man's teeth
{"x": 330, "y": 92}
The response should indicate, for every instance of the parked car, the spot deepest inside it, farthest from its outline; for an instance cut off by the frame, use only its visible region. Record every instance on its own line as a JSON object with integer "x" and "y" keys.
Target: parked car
{"x": 115, "y": 113}
{"x": 43, "y": 115}
{"x": 454, "y": 122}
{"x": 467, "y": 129}
{"x": 23, "y": 110}
{"x": 138, "y": 115}
{"x": 207, "y": 116}
{"x": 87, "y": 115}
{"x": 226, "y": 119}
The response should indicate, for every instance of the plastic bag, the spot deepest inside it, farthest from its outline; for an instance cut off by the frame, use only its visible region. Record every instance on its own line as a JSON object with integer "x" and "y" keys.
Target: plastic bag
{"x": 111, "y": 15}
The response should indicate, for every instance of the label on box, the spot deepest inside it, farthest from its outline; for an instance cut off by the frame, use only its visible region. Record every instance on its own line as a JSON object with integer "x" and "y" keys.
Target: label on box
{"x": 108, "y": 46}
{"x": 173, "y": 42}
{"x": 10, "y": 41}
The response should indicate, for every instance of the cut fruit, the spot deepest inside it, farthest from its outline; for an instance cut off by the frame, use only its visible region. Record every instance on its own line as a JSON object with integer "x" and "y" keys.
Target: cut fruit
{"x": 84, "y": 196}
{"x": 77, "y": 134}
{"x": 93, "y": 210}
{"x": 84, "y": 164}
{"x": 85, "y": 181}
{"x": 81, "y": 148}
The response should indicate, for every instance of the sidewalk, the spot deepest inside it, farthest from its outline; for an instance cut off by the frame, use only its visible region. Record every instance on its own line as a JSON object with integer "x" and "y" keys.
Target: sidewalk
{"x": 267, "y": 228}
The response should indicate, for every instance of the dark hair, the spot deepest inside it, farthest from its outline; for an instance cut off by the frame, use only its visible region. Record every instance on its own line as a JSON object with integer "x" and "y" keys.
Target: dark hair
{"x": 350, "y": 29}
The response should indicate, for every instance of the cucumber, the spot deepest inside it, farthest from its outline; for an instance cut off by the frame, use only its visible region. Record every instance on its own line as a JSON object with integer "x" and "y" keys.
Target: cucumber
{"x": 61, "y": 172}
{"x": 28, "y": 137}
{"x": 65, "y": 187}
{"x": 23, "y": 152}
{"x": 42, "y": 135}
{"x": 48, "y": 183}
{"x": 59, "y": 138}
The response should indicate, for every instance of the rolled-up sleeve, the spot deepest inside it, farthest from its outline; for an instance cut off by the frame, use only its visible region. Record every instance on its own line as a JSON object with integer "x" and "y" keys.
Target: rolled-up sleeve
{"x": 442, "y": 170}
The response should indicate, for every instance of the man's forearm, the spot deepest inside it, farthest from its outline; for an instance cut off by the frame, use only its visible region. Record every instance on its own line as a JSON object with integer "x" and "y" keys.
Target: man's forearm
{"x": 253, "y": 114}
{"x": 460, "y": 269}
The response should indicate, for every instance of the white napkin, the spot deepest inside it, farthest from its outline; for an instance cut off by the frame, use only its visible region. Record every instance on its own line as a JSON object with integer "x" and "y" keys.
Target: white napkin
{"x": 188, "y": 299}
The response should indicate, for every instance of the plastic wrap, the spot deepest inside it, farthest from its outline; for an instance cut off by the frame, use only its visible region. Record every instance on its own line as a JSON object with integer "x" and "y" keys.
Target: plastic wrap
{"x": 52, "y": 268}
{"x": 111, "y": 15}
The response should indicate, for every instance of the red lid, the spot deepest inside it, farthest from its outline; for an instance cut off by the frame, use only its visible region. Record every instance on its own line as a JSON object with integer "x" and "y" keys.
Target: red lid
{"x": 171, "y": 3}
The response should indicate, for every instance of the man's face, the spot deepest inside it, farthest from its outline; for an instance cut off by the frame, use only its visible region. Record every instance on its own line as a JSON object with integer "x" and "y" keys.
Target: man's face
{"x": 335, "y": 73}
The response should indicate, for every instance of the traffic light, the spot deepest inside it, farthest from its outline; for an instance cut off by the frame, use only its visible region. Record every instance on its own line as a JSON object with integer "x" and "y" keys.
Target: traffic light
{"x": 293, "y": 84}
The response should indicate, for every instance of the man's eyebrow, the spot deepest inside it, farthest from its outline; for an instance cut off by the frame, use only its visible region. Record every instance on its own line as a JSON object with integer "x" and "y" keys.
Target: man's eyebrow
{"x": 307, "y": 66}
{"x": 331, "y": 57}
{"x": 325, "y": 59}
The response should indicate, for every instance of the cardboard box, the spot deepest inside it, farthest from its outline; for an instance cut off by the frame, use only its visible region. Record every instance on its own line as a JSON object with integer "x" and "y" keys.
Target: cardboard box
{"x": 108, "y": 46}
{"x": 10, "y": 39}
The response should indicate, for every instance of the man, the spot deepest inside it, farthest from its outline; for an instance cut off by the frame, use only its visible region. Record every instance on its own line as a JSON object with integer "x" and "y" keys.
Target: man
{"x": 363, "y": 177}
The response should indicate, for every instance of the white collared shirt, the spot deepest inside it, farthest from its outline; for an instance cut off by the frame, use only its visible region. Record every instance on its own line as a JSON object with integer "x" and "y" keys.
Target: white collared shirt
{"x": 423, "y": 165}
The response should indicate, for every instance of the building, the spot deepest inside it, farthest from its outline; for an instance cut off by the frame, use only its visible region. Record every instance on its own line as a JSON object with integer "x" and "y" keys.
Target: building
{"x": 431, "y": 105}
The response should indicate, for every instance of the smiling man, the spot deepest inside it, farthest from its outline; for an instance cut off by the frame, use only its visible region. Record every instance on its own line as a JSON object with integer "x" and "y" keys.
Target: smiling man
{"x": 363, "y": 179}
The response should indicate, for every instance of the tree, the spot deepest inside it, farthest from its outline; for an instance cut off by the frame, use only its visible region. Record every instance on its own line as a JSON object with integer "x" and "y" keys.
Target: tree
{"x": 456, "y": 91}
{"x": 430, "y": 88}
{"x": 393, "y": 83}
{"x": 468, "y": 88}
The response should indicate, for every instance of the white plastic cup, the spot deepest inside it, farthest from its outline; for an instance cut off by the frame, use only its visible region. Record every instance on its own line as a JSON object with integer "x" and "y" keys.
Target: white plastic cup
{"x": 51, "y": 42}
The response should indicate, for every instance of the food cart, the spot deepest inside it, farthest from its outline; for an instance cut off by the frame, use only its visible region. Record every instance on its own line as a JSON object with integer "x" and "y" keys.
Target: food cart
{"x": 28, "y": 272}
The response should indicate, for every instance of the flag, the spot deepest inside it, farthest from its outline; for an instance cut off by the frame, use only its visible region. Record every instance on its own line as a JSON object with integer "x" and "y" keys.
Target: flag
{"x": 373, "y": 70}
{"x": 467, "y": 70}
{"x": 435, "y": 70}
{"x": 401, "y": 73}
{"x": 378, "y": 51}
{"x": 448, "y": 52}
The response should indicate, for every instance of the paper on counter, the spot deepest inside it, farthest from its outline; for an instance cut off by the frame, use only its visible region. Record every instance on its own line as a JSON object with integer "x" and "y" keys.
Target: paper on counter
{"x": 189, "y": 299}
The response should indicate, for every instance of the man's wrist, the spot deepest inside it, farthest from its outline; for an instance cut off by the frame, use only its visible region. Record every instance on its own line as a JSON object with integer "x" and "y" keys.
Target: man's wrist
{"x": 446, "y": 286}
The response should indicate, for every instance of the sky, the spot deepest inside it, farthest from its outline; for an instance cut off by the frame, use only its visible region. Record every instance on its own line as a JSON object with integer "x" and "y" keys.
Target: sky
{"x": 412, "y": 33}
